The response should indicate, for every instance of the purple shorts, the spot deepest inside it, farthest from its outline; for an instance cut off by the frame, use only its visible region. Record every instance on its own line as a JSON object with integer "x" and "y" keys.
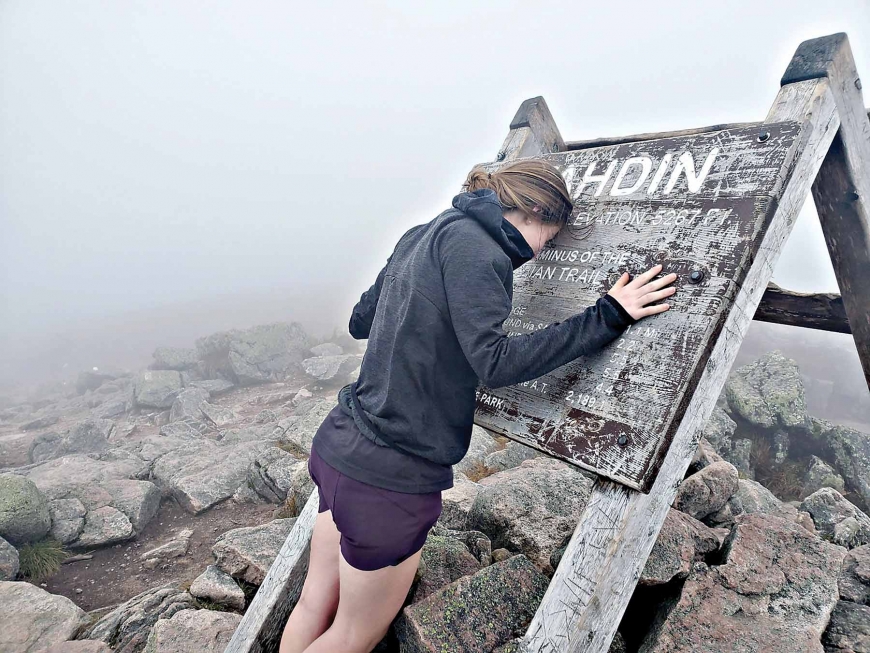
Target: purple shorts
{"x": 378, "y": 527}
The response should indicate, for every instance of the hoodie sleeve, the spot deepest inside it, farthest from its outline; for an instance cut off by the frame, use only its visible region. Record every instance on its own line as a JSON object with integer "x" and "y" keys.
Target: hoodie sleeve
{"x": 364, "y": 312}
{"x": 478, "y": 302}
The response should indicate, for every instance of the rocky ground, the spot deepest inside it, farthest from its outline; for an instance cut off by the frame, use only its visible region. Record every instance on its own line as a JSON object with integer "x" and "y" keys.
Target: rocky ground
{"x": 171, "y": 490}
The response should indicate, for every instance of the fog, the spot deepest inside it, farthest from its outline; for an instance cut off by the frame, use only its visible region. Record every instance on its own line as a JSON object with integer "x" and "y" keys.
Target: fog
{"x": 170, "y": 169}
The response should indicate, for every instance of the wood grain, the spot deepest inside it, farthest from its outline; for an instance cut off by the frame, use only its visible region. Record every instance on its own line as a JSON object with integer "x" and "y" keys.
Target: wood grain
{"x": 822, "y": 311}
{"x": 615, "y": 412}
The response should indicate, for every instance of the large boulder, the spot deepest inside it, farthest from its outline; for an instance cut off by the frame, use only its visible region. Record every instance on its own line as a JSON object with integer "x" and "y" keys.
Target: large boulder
{"x": 8, "y": 561}
{"x": 272, "y": 474}
{"x": 820, "y": 474}
{"x": 456, "y": 502}
{"x": 850, "y": 449}
{"x": 768, "y": 392}
{"x": 482, "y": 444}
{"x": 775, "y": 592}
{"x": 24, "y": 514}
{"x": 849, "y": 630}
{"x": 444, "y": 559}
{"x": 157, "y": 388}
{"x": 707, "y": 491}
{"x": 261, "y": 354}
{"x": 511, "y": 455}
{"x": 855, "y": 576}
{"x": 15, "y": 449}
{"x": 331, "y": 368}
{"x": 681, "y": 542}
{"x": 130, "y": 622}
{"x": 106, "y": 525}
{"x": 474, "y": 613}
{"x": 298, "y": 429}
{"x": 33, "y": 619}
{"x": 531, "y": 508}
{"x": 203, "y": 473}
{"x": 187, "y": 403}
{"x": 193, "y": 631}
{"x": 247, "y": 553}
{"x": 218, "y": 587}
{"x": 837, "y": 519}
{"x": 174, "y": 358}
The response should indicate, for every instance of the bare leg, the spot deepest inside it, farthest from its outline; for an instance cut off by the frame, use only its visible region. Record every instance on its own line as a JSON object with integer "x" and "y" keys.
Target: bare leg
{"x": 318, "y": 601}
{"x": 369, "y": 602}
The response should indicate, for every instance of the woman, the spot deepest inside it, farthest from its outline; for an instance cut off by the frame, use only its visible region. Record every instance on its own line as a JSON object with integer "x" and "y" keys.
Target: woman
{"x": 433, "y": 320}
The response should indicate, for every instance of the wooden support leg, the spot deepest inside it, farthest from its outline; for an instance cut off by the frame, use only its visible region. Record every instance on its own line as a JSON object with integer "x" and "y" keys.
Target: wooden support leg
{"x": 590, "y": 590}
{"x": 842, "y": 188}
{"x": 261, "y": 627}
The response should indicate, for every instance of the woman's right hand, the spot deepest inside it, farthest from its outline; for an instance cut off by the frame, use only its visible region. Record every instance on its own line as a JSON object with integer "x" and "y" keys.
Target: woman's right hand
{"x": 634, "y": 295}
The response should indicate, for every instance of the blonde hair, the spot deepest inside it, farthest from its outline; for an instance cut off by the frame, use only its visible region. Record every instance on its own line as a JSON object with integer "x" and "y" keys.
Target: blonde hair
{"x": 533, "y": 186}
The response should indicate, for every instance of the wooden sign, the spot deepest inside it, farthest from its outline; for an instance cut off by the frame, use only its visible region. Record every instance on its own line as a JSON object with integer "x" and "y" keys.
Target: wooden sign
{"x": 699, "y": 205}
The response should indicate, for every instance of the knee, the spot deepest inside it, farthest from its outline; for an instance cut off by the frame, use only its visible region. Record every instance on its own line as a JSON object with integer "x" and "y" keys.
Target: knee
{"x": 316, "y": 607}
{"x": 355, "y": 640}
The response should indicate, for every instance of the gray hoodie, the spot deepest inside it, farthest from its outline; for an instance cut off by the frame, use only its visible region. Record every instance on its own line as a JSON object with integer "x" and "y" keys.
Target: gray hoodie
{"x": 433, "y": 320}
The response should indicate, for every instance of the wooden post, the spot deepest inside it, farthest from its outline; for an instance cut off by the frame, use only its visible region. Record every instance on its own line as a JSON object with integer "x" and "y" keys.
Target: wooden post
{"x": 261, "y": 626}
{"x": 599, "y": 570}
{"x": 842, "y": 188}
{"x": 532, "y": 131}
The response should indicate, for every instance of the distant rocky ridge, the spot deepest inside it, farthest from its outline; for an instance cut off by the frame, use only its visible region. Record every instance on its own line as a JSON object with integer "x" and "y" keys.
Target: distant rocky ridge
{"x": 766, "y": 548}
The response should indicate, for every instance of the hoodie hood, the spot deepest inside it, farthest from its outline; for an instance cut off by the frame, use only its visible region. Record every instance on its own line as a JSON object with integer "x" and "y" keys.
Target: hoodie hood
{"x": 483, "y": 205}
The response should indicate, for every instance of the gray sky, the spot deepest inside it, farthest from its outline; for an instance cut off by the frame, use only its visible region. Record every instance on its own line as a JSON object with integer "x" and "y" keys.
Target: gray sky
{"x": 155, "y": 154}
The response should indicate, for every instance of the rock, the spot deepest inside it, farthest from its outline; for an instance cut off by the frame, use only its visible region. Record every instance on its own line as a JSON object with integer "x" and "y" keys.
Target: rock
{"x": 774, "y": 592}
{"x": 174, "y": 548}
{"x": 482, "y": 443}
{"x": 193, "y": 631}
{"x": 216, "y": 586}
{"x": 102, "y": 526}
{"x": 741, "y": 457}
{"x": 854, "y": 579}
{"x": 113, "y": 408}
{"x": 217, "y": 415}
{"x": 718, "y": 430}
{"x": 204, "y": 473}
{"x": 707, "y": 491}
{"x": 24, "y": 515}
{"x": 132, "y": 620}
{"x": 331, "y": 368}
{"x": 820, "y": 474}
{"x": 474, "y": 613}
{"x": 326, "y": 349}
{"x": 89, "y": 436}
{"x": 92, "y": 379}
{"x": 8, "y": 561}
{"x": 40, "y": 422}
{"x": 185, "y": 428}
{"x": 138, "y": 500}
{"x": 33, "y": 619}
{"x": 851, "y": 456}
{"x": 456, "y": 502}
{"x": 511, "y": 456}
{"x": 781, "y": 443}
{"x": 187, "y": 403}
{"x": 15, "y": 449}
{"x": 768, "y": 392}
{"x": 705, "y": 455}
{"x": 80, "y": 646}
{"x": 266, "y": 416}
{"x": 215, "y": 387}
{"x": 500, "y": 555}
{"x": 67, "y": 519}
{"x": 681, "y": 541}
{"x": 247, "y": 553}
{"x": 530, "y": 508}
{"x": 174, "y": 358}
{"x": 477, "y": 543}
{"x": 272, "y": 473}
{"x": 446, "y": 559}
{"x": 299, "y": 429}
{"x": 156, "y": 389}
{"x": 260, "y": 354}
{"x": 849, "y": 630}
{"x": 837, "y": 519}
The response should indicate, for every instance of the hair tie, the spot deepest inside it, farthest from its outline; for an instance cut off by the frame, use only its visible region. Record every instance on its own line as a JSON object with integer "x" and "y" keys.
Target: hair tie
{"x": 489, "y": 176}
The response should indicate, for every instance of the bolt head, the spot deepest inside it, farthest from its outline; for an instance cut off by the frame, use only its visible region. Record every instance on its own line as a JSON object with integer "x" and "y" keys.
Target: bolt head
{"x": 622, "y": 440}
{"x": 696, "y": 275}
{"x": 500, "y": 156}
{"x": 763, "y": 136}
{"x": 858, "y": 83}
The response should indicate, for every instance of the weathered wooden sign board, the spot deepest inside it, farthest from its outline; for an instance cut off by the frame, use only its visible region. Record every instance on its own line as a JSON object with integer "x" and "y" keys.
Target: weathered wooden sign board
{"x": 699, "y": 205}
